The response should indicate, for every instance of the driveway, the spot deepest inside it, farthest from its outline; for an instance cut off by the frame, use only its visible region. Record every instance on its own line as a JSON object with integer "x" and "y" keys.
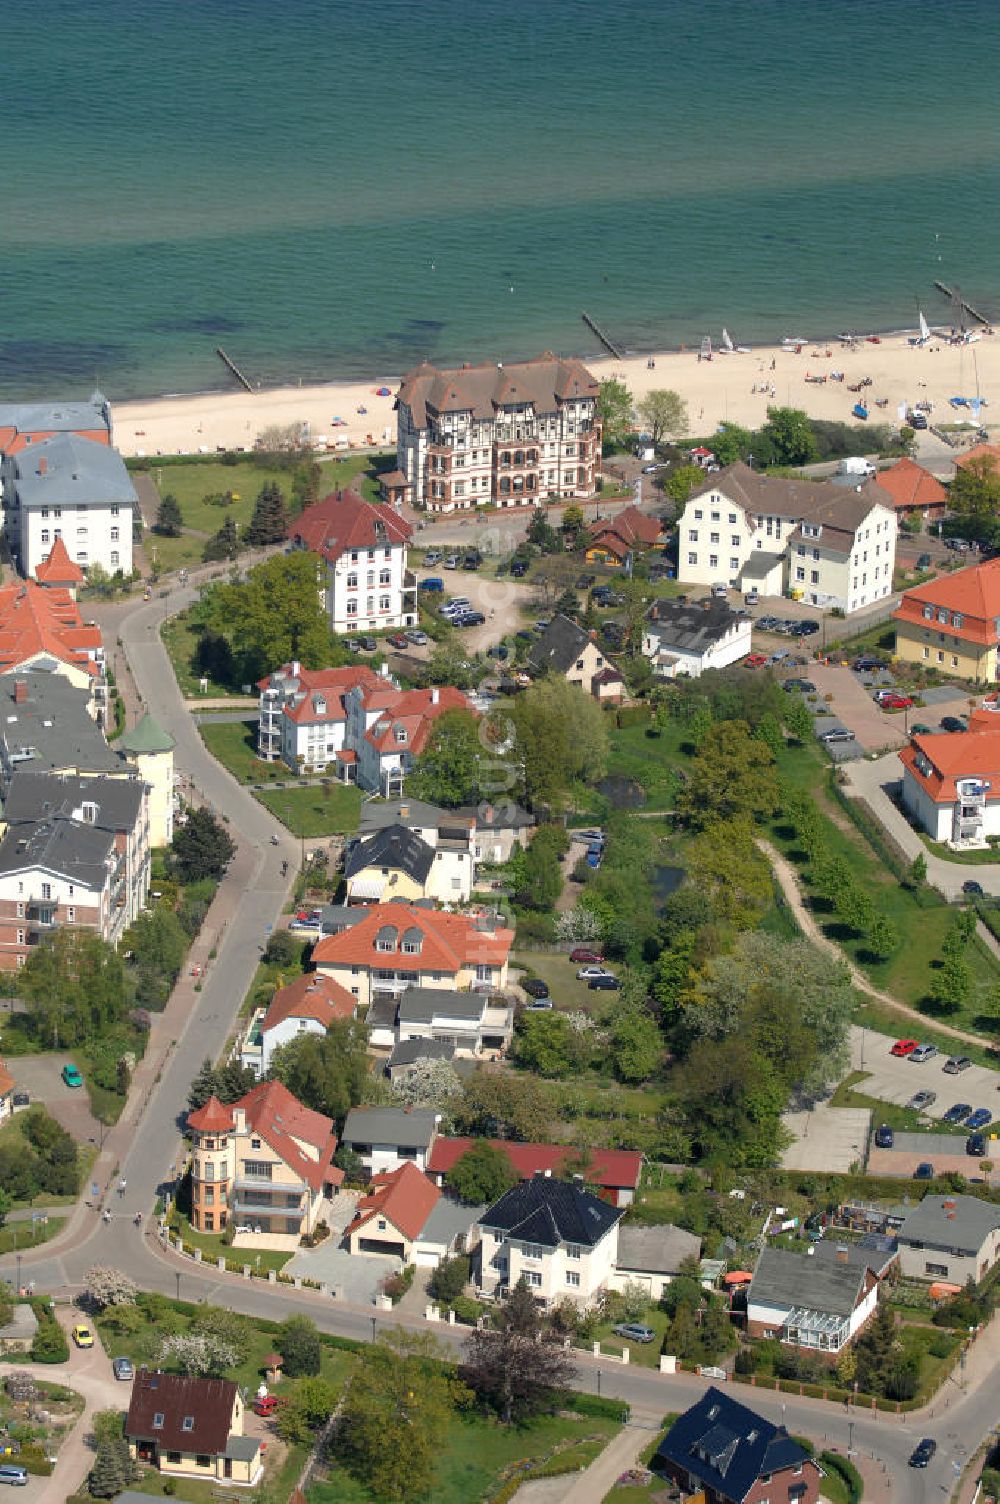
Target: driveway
{"x": 872, "y": 781}
{"x": 853, "y": 706}
{"x": 894, "y": 1079}
{"x": 39, "y": 1075}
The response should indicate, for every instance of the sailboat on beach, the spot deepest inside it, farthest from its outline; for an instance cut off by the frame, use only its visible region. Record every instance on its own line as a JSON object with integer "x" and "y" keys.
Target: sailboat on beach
{"x": 705, "y": 352}
{"x": 920, "y": 340}
{"x": 728, "y": 348}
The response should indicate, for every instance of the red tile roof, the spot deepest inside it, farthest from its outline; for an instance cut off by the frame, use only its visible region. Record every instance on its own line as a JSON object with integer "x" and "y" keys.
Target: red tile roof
{"x": 38, "y": 619}
{"x": 989, "y": 452}
{"x": 413, "y": 711}
{"x": 58, "y": 568}
{"x": 207, "y": 1403}
{"x": 284, "y": 1124}
{"x": 449, "y": 941}
{"x": 344, "y": 521}
{"x": 937, "y": 762}
{"x": 631, "y": 527}
{"x": 910, "y": 485}
{"x": 212, "y": 1118}
{"x": 6, "y": 1080}
{"x": 310, "y": 996}
{"x": 974, "y": 593}
{"x": 612, "y": 1169}
{"x": 404, "y": 1197}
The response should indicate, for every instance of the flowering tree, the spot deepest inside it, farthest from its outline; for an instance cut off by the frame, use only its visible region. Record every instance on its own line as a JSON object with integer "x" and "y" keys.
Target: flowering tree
{"x": 200, "y": 1354}
{"x": 428, "y": 1083}
{"x": 109, "y": 1287}
{"x": 578, "y": 924}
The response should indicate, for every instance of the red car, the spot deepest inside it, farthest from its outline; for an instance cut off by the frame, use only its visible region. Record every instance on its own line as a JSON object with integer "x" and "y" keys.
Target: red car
{"x": 903, "y": 1047}
{"x": 583, "y": 955}
{"x": 755, "y": 660}
{"x": 892, "y": 701}
{"x": 266, "y": 1406}
{"x": 398, "y": 640}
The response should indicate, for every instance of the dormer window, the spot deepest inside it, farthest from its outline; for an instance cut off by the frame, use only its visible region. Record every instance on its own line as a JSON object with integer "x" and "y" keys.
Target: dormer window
{"x": 942, "y": 616}
{"x": 928, "y": 613}
{"x": 413, "y": 941}
{"x": 386, "y": 938}
{"x": 957, "y": 619}
{"x": 401, "y": 733}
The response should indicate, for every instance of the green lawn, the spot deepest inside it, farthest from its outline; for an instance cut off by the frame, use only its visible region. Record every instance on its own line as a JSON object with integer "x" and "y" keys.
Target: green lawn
{"x": 646, "y": 760}
{"x": 316, "y": 810}
{"x": 234, "y": 744}
{"x": 213, "y": 1247}
{"x": 21, "y": 1234}
{"x": 475, "y": 1451}
{"x": 922, "y": 922}
{"x": 560, "y": 974}
{"x": 86, "y": 1154}
{"x": 165, "y": 555}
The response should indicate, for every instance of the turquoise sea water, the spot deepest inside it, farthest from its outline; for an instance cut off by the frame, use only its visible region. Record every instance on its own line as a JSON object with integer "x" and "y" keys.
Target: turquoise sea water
{"x": 334, "y": 189}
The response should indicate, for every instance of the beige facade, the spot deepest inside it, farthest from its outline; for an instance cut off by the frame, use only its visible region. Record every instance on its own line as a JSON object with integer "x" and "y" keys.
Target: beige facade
{"x": 568, "y": 1271}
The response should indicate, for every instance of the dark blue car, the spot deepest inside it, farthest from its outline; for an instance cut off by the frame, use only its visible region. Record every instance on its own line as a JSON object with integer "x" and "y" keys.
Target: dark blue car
{"x": 978, "y": 1119}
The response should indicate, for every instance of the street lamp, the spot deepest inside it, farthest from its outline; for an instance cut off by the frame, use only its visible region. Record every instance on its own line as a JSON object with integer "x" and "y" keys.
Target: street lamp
{"x": 18, "y": 1273}
{"x": 177, "y": 1277}
{"x": 850, "y": 1438}
{"x": 372, "y": 1319}
{"x": 598, "y": 1383}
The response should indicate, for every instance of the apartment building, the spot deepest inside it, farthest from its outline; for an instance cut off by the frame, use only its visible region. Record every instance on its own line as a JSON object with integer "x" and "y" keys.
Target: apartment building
{"x": 952, "y": 623}
{"x": 364, "y": 580}
{"x": 396, "y": 946}
{"x": 46, "y": 726}
{"x": 71, "y": 489}
{"x": 303, "y": 717}
{"x": 509, "y": 435}
{"x": 41, "y": 628}
{"x": 397, "y": 863}
{"x": 75, "y": 852}
{"x": 387, "y": 728}
{"x": 265, "y": 1164}
{"x": 832, "y": 546}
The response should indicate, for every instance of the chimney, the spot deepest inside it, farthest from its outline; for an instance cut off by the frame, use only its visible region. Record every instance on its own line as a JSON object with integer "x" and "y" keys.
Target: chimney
{"x": 435, "y": 696}
{"x": 239, "y": 1120}
{"x": 43, "y": 465}
{"x": 843, "y": 1257}
{"x": 296, "y": 668}
{"x": 20, "y": 691}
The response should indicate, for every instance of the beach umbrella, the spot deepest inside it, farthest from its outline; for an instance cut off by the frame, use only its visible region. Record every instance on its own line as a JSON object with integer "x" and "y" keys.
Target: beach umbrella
{"x": 382, "y": 391}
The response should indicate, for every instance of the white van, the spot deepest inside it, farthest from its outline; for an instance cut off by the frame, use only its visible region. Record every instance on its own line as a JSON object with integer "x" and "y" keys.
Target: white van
{"x": 720, "y": 592}
{"x": 856, "y": 464}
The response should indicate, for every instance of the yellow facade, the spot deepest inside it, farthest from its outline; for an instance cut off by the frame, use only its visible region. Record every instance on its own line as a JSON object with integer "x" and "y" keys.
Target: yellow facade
{"x": 931, "y": 648}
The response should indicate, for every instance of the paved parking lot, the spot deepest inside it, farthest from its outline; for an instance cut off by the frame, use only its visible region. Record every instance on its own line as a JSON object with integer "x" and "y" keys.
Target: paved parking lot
{"x": 39, "y": 1075}
{"x": 894, "y": 1079}
{"x": 826, "y": 1138}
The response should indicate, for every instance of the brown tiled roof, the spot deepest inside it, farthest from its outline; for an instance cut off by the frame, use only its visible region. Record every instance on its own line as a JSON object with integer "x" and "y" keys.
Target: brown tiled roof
{"x": 544, "y": 383}
{"x": 630, "y": 525}
{"x": 343, "y": 521}
{"x": 413, "y": 710}
{"x": 310, "y": 996}
{"x": 840, "y": 508}
{"x": 612, "y": 1169}
{"x": 207, "y": 1403}
{"x": 404, "y": 1197}
{"x": 910, "y": 485}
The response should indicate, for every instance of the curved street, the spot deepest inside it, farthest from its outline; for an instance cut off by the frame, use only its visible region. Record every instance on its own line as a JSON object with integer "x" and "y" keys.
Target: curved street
{"x": 144, "y": 1147}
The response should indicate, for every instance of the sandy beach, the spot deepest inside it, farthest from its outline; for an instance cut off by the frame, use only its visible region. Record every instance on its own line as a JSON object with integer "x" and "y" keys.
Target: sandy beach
{"x": 737, "y": 388}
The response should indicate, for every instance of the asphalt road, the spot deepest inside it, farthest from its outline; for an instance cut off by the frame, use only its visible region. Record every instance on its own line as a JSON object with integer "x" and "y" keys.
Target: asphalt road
{"x": 255, "y": 880}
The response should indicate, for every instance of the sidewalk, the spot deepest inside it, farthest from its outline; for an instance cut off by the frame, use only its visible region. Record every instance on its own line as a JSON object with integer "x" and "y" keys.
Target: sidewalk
{"x": 590, "y": 1487}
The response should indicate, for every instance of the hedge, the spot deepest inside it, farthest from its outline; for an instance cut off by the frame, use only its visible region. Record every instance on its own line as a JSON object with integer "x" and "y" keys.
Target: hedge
{"x": 33, "y": 1460}
{"x": 846, "y": 1471}
{"x": 596, "y": 1404}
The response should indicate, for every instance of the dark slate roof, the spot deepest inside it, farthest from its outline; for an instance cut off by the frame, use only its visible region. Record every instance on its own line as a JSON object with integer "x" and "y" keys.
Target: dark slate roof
{"x": 57, "y": 796}
{"x": 727, "y": 1446}
{"x": 503, "y": 814}
{"x": 376, "y": 814}
{"x": 960, "y": 1223}
{"x": 655, "y": 1250}
{"x": 405, "y": 1127}
{"x": 874, "y": 1253}
{"x": 340, "y": 916}
{"x": 409, "y": 1051}
{"x": 382, "y": 1013}
{"x": 419, "y": 1005}
{"x": 692, "y": 627}
{"x": 51, "y": 728}
{"x": 65, "y": 848}
{"x": 559, "y": 646}
{"x": 550, "y": 1212}
{"x": 783, "y": 1278}
{"x": 394, "y": 847}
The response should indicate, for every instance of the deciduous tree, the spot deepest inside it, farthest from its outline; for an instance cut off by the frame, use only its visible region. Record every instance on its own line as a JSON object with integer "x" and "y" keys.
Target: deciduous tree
{"x": 733, "y": 774}
{"x": 615, "y": 410}
{"x": 513, "y": 1367}
{"x": 497, "y": 1104}
{"x": 428, "y": 1083}
{"x": 448, "y": 770}
{"x": 299, "y": 1345}
{"x": 202, "y": 846}
{"x": 561, "y": 738}
{"x": 328, "y": 1072}
{"x": 105, "y": 1287}
{"x": 275, "y": 616}
{"x": 481, "y": 1175}
{"x": 664, "y": 414}
{"x": 306, "y": 1408}
{"x": 681, "y": 482}
{"x": 636, "y": 1045}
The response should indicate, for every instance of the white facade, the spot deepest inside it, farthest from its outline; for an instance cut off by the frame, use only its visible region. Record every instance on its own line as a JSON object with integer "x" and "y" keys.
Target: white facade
{"x": 805, "y": 1328}
{"x": 828, "y": 578}
{"x": 568, "y": 1271}
{"x": 670, "y": 660}
{"x": 94, "y": 533}
{"x": 370, "y": 589}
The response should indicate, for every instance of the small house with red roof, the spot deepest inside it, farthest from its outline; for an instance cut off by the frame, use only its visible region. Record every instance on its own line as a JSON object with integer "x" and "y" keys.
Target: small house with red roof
{"x": 915, "y": 492}
{"x": 265, "y": 1164}
{"x": 701, "y": 457}
{"x": 614, "y": 1173}
{"x": 397, "y": 946}
{"x": 613, "y": 539}
{"x": 405, "y": 1216}
{"x": 309, "y": 1005}
{"x": 989, "y": 453}
{"x": 387, "y": 728}
{"x": 952, "y": 623}
{"x": 363, "y": 546}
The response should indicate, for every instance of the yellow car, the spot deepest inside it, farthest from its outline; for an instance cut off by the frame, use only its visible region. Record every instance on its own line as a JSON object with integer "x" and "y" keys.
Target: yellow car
{"x": 82, "y": 1335}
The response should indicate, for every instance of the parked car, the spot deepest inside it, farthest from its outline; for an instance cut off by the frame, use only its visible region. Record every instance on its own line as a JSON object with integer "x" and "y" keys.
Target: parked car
{"x": 417, "y": 636}
{"x": 836, "y": 734}
{"x": 399, "y": 640}
{"x": 955, "y": 1064}
{"x": 472, "y": 561}
{"x": 804, "y": 686}
{"x": 924, "y": 1171}
{"x": 592, "y": 837}
{"x": 606, "y": 983}
{"x": 433, "y": 583}
{"x": 974, "y": 889}
{"x": 369, "y": 644}
{"x": 755, "y": 660}
{"x": 917, "y": 420}
{"x": 976, "y": 1144}
{"x": 921, "y": 1100}
{"x": 16, "y": 1477}
{"x": 432, "y": 556}
{"x": 919, "y": 729}
{"x": 953, "y": 723}
{"x": 867, "y": 663}
{"x": 471, "y": 619}
{"x": 978, "y": 1119}
{"x": 499, "y": 650}
{"x": 924, "y": 1449}
{"x": 518, "y": 569}
{"x": 903, "y": 1047}
{"x": 752, "y": 596}
{"x": 71, "y": 1076}
{"x": 539, "y": 1005}
{"x": 122, "y": 1369}
{"x": 923, "y": 1052}
{"x": 884, "y": 1137}
{"x": 582, "y": 955}
{"x": 806, "y": 628}
{"x": 958, "y": 1113}
{"x": 634, "y": 1331}
{"x": 535, "y": 987}
{"x": 451, "y": 562}
{"x": 265, "y": 1404}
{"x": 82, "y": 1335}
{"x": 595, "y": 855}
{"x": 887, "y": 699}
{"x": 924, "y": 561}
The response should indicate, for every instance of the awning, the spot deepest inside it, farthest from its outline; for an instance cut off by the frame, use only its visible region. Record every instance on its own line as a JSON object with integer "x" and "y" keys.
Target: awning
{"x": 738, "y": 1277}
{"x": 942, "y": 1291}
{"x": 368, "y": 888}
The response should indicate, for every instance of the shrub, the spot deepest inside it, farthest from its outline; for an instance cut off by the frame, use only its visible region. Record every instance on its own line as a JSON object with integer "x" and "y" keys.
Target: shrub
{"x": 50, "y": 1345}
{"x": 467, "y": 1309}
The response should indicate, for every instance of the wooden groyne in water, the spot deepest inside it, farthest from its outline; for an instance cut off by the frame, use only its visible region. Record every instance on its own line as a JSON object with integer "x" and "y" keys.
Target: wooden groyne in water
{"x": 608, "y": 344}
{"x": 972, "y": 312}
{"x": 220, "y": 352}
